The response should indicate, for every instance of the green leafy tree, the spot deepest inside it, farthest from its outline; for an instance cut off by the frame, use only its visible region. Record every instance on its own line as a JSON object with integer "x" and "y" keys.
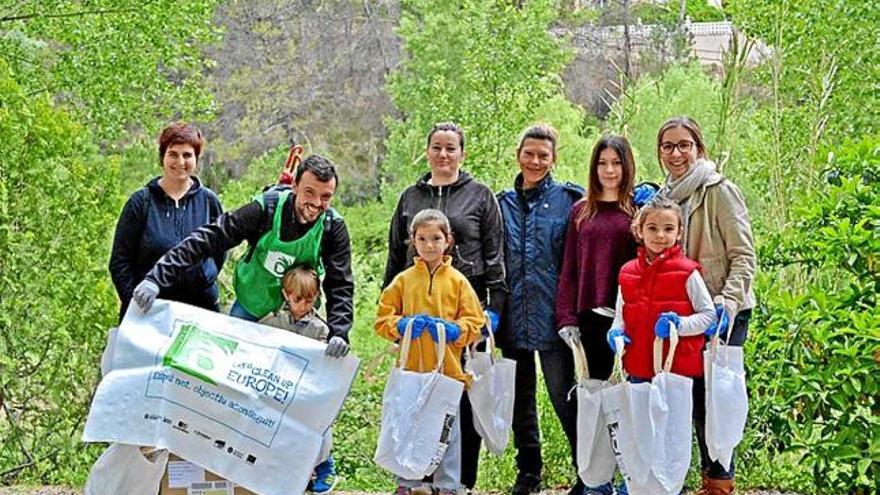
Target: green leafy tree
{"x": 116, "y": 63}
{"x": 58, "y": 200}
{"x": 487, "y": 66}
{"x": 74, "y": 77}
{"x": 827, "y": 56}
{"x": 815, "y": 88}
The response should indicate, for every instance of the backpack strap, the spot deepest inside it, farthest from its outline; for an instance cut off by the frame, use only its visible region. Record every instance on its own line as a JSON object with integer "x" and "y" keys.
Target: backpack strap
{"x": 331, "y": 216}
{"x": 268, "y": 201}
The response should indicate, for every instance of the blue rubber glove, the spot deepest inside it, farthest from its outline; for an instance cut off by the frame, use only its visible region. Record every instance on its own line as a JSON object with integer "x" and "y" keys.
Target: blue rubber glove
{"x": 452, "y": 330}
{"x": 494, "y": 319}
{"x": 721, "y": 324}
{"x": 420, "y": 321}
{"x": 614, "y": 333}
{"x": 643, "y": 193}
{"x": 665, "y": 322}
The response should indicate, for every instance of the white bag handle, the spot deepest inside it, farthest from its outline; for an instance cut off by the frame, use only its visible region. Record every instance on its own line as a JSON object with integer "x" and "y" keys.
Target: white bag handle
{"x": 618, "y": 374}
{"x": 441, "y": 346}
{"x": 658, "y": 350}
{"x": 581, "y": 367}
{"x": 490, "y": 344}
{"x": 715, "y": 341}
{"x": 405, "y": 342}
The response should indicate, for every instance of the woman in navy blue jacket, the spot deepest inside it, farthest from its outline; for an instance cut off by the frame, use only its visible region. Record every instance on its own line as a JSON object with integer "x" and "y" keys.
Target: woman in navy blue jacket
{"x": 535, "y": 218}
{"x": 159, "y": 215}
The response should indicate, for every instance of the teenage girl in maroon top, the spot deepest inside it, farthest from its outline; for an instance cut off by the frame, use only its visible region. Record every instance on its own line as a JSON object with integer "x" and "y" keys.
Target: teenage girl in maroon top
{"x": 598, "y": 242}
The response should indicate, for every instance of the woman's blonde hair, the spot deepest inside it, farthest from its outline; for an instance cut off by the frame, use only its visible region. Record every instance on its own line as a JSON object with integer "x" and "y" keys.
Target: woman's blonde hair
{"x": 301, "y": 281}
{"x": 656, "y": 204}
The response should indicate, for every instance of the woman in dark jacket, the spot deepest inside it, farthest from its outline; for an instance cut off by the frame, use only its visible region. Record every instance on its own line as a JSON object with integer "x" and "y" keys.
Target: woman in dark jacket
{"x": 478, "y": 244}
{"x": 535, "y": 216}
{"x": 159, "y": 215}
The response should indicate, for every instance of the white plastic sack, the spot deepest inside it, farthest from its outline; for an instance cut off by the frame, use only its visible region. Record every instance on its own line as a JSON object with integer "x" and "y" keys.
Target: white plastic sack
{"x": 595, "y": 457}
{"x": 124, "y": 469}
{"x": 650, "y": 426}
{"x": 491, "y": 394}
{"x": 727, "y": 405}
{"x": 626, "y": 408}
{"x": 107, "y": 355}
{"x": 418, "y": 411}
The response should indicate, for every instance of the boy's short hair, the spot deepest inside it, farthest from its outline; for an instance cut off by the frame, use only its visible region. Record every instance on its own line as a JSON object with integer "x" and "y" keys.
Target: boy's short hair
{"x": 301, "y": 281}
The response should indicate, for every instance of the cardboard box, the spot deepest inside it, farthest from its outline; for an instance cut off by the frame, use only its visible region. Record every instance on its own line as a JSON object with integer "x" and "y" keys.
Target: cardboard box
{"x": 206, "y": 482}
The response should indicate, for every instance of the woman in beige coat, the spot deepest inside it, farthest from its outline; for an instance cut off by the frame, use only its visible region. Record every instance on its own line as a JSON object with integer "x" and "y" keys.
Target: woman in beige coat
{"x": 718, "y": 235}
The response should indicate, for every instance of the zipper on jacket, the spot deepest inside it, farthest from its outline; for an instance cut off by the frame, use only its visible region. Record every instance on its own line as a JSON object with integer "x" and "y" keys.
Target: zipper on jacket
{"x": 524, "y": 217}
{"x": 431, "y": 280}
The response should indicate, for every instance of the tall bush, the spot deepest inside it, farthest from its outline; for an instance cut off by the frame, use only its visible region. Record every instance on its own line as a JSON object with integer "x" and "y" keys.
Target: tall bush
{"x": 58, "y": 202}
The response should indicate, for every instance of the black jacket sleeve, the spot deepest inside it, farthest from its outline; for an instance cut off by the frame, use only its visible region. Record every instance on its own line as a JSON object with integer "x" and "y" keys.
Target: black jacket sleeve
{"x": 211, "y": 240}
{"x": 216, "y": 211}
{"x": 338, "y": 278}
{"x": 492, "y": 233}
{"x": 126, "y": 244}
{"x": 397, "y": 247}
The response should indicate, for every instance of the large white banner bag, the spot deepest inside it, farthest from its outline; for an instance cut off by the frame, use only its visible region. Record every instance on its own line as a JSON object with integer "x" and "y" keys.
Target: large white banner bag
{"x": 246, "y": 401}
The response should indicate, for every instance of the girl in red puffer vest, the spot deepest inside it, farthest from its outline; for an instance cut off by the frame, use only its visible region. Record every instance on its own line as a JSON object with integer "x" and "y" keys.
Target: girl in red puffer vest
{"x": 660, "y": 288}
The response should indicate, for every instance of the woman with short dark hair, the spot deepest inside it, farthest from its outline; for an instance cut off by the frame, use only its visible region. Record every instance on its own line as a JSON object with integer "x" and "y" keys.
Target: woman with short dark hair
{"x": 159, "y": 215}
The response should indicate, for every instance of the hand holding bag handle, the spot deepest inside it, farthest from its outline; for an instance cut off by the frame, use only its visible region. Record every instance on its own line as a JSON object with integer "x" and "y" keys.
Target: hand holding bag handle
{"x": 490, "y": 344}
{"x": 658, "y": 351}
{"x": 440, "y": 347}
{"x": 406, "y": 343}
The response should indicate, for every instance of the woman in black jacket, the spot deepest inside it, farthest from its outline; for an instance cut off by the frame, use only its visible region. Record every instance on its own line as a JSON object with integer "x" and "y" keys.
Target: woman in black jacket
{"x": 478, "y": 250}
{"x": 159, "y": 215}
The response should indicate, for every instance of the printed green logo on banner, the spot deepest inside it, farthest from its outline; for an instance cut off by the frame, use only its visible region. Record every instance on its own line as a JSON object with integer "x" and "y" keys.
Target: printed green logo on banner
{"x": 199, "y": 353}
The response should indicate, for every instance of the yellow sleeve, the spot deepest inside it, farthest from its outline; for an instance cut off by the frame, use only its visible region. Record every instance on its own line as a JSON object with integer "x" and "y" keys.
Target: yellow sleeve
{"x": 469, "y": 318}
{"x": 390, "y": 311}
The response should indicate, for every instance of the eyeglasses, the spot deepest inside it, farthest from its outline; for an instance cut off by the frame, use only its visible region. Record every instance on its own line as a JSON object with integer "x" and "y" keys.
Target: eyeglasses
{"x": 682, "y": 146}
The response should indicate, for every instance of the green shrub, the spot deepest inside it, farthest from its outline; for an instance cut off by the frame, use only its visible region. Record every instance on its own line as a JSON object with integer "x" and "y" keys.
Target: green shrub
{"x": 816, "y": 350}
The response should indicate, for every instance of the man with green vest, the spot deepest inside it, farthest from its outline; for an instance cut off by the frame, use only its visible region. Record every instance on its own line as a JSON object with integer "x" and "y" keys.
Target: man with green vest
{"x": 283, "y": 229}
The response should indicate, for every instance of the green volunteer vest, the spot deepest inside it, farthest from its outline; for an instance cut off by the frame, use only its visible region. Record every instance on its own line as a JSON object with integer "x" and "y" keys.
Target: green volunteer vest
{"x": 257, "y": 280}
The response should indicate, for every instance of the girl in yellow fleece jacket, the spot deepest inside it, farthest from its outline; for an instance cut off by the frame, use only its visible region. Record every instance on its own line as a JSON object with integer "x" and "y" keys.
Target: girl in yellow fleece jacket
{"x": 428, "y": 293}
